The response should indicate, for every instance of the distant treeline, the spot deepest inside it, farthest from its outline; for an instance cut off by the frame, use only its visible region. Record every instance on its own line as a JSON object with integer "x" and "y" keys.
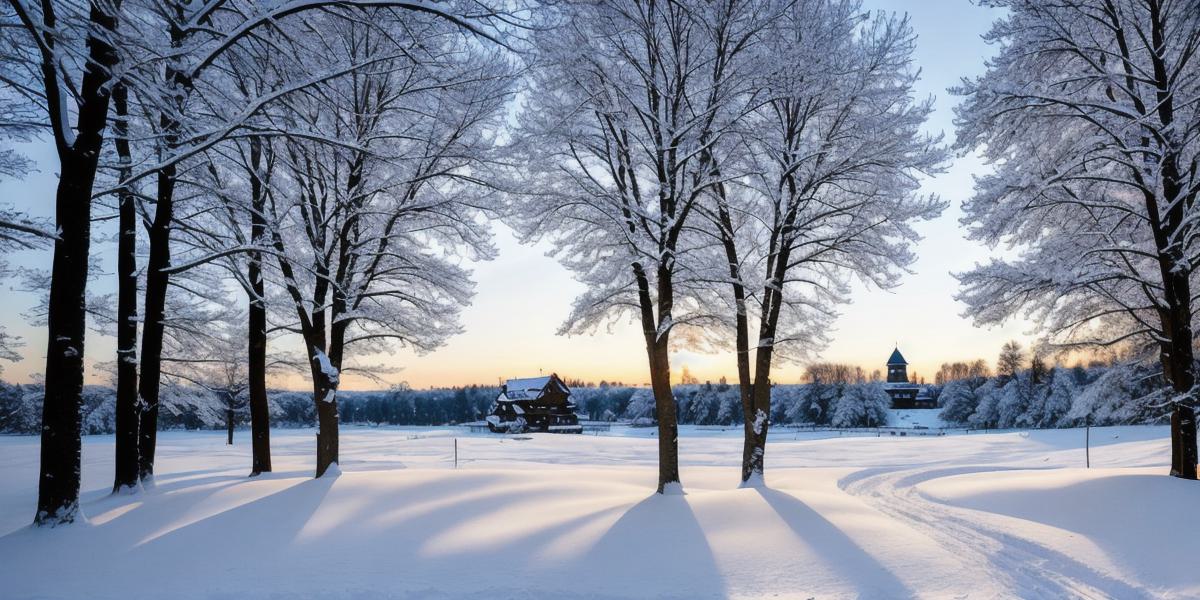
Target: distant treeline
{"x": 1058, "y": 397}
{"x": 1034, "y": 397}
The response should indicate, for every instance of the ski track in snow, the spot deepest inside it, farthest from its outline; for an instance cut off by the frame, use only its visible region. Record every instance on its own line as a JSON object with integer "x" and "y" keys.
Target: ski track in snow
{"x": 1021, "y": 568}
{"x": 572, "y": 518}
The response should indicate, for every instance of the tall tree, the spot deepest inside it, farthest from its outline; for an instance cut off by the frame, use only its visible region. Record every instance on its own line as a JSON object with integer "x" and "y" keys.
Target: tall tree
{"x": 125, "y": 472}
{"x": 1012, "y": 356}
{"x": 391, "y": 172}
{"x": 616, "y": 139}
{"x": 1088, "y": 115}
{"x": 75, "y": 58}
{"x": 835, "y": 154}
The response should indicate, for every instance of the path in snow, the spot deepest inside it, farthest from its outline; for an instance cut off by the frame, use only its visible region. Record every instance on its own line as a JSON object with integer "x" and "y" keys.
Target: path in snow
{"x": 1015, "y": 564}
{"x": 542, "y": 516}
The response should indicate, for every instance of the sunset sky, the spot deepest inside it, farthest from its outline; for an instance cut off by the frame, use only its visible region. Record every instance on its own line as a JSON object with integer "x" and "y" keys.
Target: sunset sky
{"x": 523, "y": 296}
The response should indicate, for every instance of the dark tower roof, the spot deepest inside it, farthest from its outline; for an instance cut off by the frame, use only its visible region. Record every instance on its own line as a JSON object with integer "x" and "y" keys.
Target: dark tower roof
{"x": 896, "y": 358}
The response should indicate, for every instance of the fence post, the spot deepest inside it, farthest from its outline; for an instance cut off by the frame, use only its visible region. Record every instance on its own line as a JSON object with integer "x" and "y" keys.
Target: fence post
{"x": 455, "y": 453}
{"x": 1087, "y": 441}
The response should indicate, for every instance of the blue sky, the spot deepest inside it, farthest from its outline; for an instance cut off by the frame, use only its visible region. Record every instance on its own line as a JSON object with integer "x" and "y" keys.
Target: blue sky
{"x": 510, "y": 330}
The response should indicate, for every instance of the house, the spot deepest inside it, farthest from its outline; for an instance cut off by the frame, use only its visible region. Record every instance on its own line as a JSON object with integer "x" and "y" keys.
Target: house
{"x": 534, "y": 404}
{"x": 904, "y": 393}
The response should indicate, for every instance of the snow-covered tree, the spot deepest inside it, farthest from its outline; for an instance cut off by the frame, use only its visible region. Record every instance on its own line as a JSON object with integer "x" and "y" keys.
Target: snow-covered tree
{"x": 834, "y": 152}
{"x": 20, "y": 408}
{"x": 1117, "y": 396}
{"x": 702, "y": 407}
{"x": 1015, "y": 401}
{"x": 614, "y": 150}
{"x": 386, "y": 198}
{"x": 958, "y": 401}
{"x": 816, "y": 402}
{"x": 68, "y": 77}
{"x": 182, "y": 48}
{"x": 1088, "y": 115}
{"x": 1060, "y": 393}
{"x": 987, "y": 407}
{"x": 784, "y": 399}
{"x": 641, "y": 407}
{"x": 729, "y": 409}
{"x": 863, "y": 404}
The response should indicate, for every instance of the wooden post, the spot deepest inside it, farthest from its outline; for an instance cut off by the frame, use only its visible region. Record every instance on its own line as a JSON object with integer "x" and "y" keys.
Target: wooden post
{"x": 1087, "y": 441}
{"x": 455, "y": 453}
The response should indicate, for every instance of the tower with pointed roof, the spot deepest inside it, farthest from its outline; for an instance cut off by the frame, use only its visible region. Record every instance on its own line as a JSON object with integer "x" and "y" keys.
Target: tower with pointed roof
{"x": 897, "y": 367}
{"x": 904, "y": 393}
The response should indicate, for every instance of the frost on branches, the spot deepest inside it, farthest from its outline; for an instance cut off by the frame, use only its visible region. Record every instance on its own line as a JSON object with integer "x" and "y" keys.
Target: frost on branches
{"x": 1088, "y": 115}
{"x": 823, "y": 177}
{"x": 613, "y": 153}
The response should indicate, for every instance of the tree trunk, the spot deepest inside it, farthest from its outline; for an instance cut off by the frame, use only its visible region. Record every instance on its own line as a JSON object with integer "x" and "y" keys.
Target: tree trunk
{"x": 157, "y": 281}
{"x": 337, "y": 350}
{"x": 742, "y": 329}
{"x": 1183, "y": 441}
{"x": 58, "y": 476}
{"x": 657, "y": 334}
{"x": 260, "y": 414}
{"x": 324, "y": 380}
{"x": 327, "y": 434}
{"x": 325, "y": 398}
{"x": 752, "y": 466}
{"x": 126, "y": 411}
{"x": 229, "y": 427}
{"x": 772, "y": 302}
{"x": 58, "y": 485}
{"x": 1178, "y": 362}
{"x": 1178, "y": 357}
{"x": 664, "y": 408}
{"x": 755, "y": 448}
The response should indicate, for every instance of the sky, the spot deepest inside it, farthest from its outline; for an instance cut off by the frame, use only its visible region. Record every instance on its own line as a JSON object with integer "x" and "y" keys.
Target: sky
{"x": 522, "y": 296}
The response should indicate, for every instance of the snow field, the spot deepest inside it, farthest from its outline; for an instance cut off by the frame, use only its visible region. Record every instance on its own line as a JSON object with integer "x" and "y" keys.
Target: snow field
{"x": 547, "y": 516}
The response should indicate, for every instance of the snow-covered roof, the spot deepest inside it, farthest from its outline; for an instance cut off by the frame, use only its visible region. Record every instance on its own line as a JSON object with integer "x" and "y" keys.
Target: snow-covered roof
{"x": 530, "y": 388}
{"x": 896, "y": 358}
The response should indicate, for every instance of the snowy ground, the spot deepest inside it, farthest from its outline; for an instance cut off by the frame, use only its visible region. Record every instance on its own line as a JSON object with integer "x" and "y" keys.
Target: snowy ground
{"x": 1006, "y": 515}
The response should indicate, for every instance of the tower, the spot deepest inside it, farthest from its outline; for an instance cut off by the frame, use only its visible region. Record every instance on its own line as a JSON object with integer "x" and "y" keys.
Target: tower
{"x": 897, "y": 368}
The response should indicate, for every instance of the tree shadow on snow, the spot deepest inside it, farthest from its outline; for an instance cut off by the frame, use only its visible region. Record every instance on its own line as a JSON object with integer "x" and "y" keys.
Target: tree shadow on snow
{"x": 147, "y": 550}
{"x": 656, "y": 548}
{"x": 169, "y": 505}
{"x": 252, "y": 537}
{"x": 841, "y": 553}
